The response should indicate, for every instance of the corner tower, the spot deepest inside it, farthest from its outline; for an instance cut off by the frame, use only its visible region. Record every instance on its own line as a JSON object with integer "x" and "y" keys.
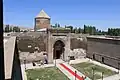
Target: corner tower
{"x": 42, "y": 20}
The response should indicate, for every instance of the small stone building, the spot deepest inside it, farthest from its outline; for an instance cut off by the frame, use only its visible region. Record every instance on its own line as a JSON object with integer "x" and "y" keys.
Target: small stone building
{"x": 42, "y": 20}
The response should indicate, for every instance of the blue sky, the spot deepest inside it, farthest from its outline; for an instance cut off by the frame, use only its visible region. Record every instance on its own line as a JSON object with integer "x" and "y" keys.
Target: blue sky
{"x": 99, "y": 13}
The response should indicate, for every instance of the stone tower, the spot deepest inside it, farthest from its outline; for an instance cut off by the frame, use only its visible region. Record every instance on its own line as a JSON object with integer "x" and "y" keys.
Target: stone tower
{"x": 42, "y": 20}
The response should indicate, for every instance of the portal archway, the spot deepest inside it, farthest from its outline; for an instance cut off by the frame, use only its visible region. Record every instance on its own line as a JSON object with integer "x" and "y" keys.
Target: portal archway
{"x": 58, "y": 51}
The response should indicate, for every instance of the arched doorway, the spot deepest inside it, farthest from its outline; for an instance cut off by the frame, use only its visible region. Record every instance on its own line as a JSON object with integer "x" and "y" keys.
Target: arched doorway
{"x": 58, "y": 51}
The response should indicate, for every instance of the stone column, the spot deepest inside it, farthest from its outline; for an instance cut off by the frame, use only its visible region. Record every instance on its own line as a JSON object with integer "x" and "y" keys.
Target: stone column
{"x": 67, "y": 48}
{"x": 50, "y": 49}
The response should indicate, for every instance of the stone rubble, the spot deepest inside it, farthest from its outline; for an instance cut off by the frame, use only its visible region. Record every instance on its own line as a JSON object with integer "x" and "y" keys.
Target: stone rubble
{"x": 30, "y": 57}
{"x": 36, "y": 56}
{"x": 78, "y": 53}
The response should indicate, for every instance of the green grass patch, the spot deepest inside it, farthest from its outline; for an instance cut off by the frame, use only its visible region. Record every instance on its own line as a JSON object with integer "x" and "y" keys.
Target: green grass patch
{"x": 87, "y": 69}
{"x": 51, "y": 73}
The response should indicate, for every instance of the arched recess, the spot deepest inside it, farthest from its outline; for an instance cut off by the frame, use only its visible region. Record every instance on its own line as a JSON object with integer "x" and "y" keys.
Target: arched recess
{"x": 58, "y": 49}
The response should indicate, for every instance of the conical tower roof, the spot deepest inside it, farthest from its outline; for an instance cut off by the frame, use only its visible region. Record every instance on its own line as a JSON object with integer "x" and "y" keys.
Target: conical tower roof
{"x": 42, "y": 14}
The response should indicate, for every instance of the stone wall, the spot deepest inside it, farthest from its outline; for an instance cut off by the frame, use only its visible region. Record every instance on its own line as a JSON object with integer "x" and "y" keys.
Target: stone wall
{"x": 104, "y": 50}
{"x": 78, "y": 43}
{"x": 33, "y": 39}
{"x": 16, "y": 70}
{"x": 29, "y": 41}
{"x": 42, "y": 23}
